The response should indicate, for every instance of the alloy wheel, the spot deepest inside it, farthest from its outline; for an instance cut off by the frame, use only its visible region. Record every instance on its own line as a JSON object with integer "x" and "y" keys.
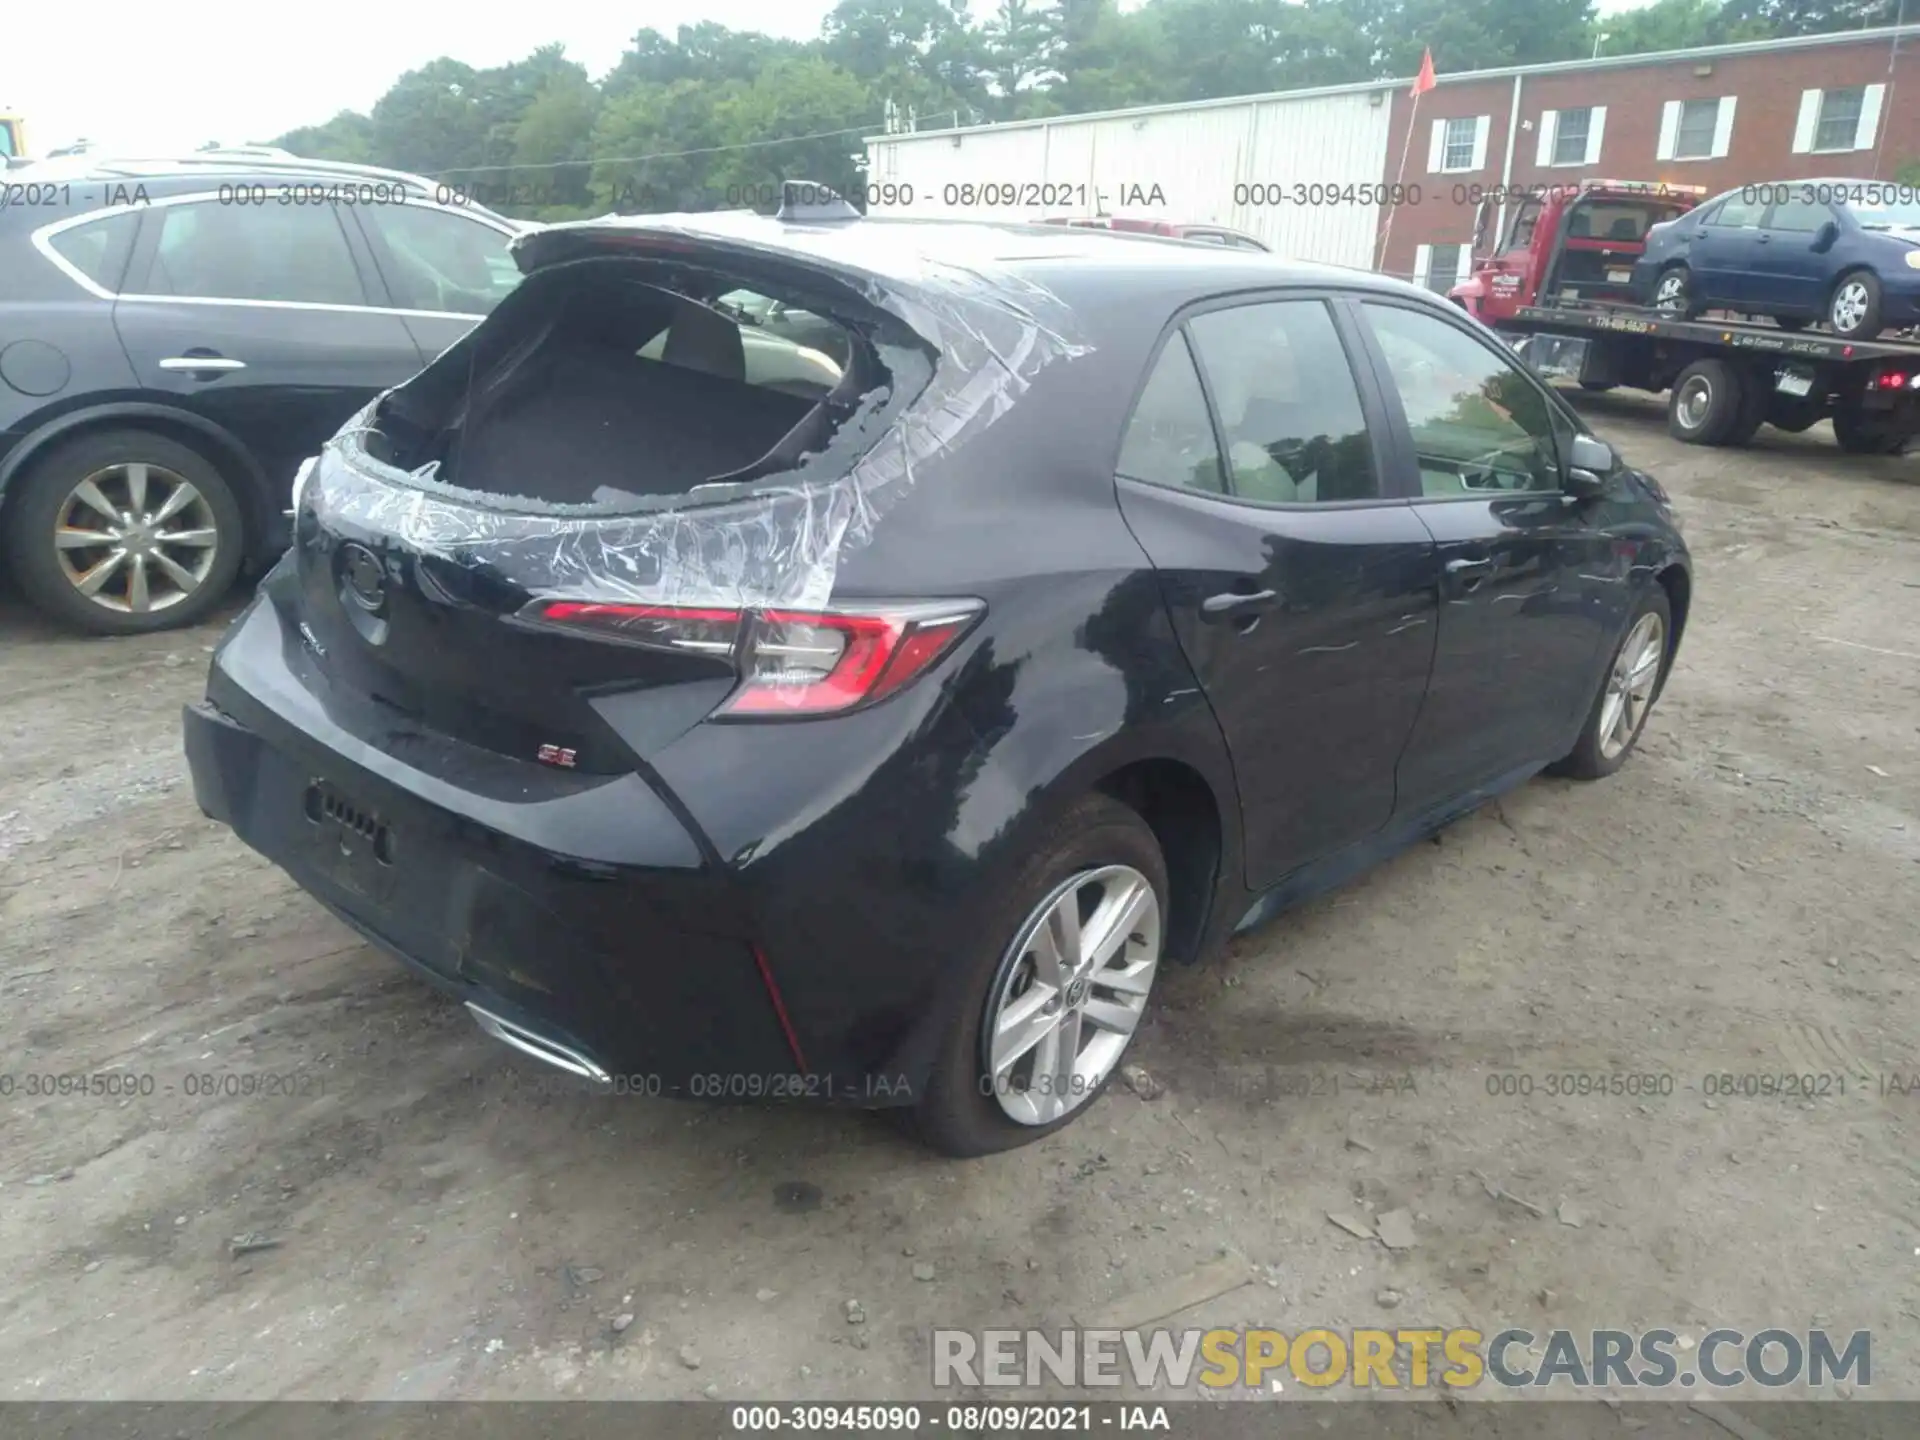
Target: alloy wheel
{"x": 1671, "y": 294}
{"x": 136, "y": 538}
{"x": 1070, "y": 993}
{"x": 1850, "y": 303}
{"x": 1630, "y": 684}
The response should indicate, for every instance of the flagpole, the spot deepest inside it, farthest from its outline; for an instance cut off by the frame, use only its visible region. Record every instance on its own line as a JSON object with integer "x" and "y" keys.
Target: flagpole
{"x": 1399, "y": 187}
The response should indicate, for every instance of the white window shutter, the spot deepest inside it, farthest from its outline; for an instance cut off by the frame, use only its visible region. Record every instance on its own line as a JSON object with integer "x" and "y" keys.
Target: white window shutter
{"x": 1669, "y": 130}
{"x": 1549, "y": 132}
{"x": 1463, "y": 267}
{"x": 1481, "y": 125}
{"x": 1596, "y": 128}
{"x": 1869, "y": 128}
{"x": 1422, "y": 263}
{"x": 1723, "y": 126}
{"x": 1437, "y": 147}
{"x": 1809, "y": 117}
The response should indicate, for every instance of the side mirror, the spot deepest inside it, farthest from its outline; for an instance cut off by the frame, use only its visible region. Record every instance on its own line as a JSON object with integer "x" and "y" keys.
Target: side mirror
{"x": 1824, "y": 237}
{"x": 1590, "y": 462}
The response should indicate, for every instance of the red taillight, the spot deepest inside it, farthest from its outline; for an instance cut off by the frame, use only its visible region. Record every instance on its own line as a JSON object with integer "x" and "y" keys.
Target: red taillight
{"x": 1893, "y": 380}
{"x": 791, "y": 663}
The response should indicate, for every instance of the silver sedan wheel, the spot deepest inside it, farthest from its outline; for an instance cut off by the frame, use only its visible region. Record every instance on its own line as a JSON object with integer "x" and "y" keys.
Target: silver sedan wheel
{"x": 1850, "y": 303}
{"x": 1671, "y": 294}
{"x": 1630, "y": 684}
{"x": 1070, "y": 993}
{"x": 136, "y": 538}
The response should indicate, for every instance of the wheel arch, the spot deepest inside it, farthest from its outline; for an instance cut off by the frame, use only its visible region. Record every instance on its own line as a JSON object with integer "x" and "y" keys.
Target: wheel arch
{"x": 221, "y": 447}
{"x": 1180, "y": 807}
{"x": 1675, "y": 580}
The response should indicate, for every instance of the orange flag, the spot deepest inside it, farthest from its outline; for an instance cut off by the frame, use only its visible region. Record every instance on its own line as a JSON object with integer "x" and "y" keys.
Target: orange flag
{"x": 1424, "y": 81}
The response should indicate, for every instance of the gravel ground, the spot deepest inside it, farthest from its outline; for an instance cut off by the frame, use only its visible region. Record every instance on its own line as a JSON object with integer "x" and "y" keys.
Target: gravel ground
{"x": 1743, "y": 899}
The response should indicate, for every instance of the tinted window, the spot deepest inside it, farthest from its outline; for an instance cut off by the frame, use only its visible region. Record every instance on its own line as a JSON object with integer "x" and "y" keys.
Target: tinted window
{"x": 436, "y": 261}
{"x": 1170, "y": 440}
{"x": 246, "y": 252}
{"x": 1478, "y": 423}
{"x": 1616, "y": 220}
{"x": 99, "y": 249}
{"x": 1288, "y": 404}
{"x": 1738, "y": 214}
{"x": 1798, "y": 215}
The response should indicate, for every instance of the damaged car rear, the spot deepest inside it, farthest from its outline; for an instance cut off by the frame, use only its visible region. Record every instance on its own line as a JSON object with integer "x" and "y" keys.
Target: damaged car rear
{"x": 585, "y": 690}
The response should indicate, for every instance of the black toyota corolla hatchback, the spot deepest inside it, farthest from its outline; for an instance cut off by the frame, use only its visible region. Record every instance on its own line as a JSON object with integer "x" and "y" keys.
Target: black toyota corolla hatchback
{"x": 877, "y": 739}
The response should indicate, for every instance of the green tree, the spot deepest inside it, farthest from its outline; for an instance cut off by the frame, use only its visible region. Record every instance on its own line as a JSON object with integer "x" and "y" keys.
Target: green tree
{"x": 347, "y": 136}
{"x": 801, "y": 97}
{"x": 1812, "y": 17}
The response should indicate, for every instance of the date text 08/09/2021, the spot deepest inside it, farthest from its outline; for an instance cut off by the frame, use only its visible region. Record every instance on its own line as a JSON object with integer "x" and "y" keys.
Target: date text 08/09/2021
{"x": 974, "y": 1419}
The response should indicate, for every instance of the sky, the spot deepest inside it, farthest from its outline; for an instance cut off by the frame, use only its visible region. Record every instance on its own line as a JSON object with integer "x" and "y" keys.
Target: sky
{"x": 163, "y": 78}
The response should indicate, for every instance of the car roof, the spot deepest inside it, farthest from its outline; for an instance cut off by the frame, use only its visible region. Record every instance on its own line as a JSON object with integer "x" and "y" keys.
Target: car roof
{"x": 916, "y": 252}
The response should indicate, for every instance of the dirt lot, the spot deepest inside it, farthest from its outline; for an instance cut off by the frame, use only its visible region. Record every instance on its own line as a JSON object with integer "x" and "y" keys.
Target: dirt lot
{"x": 1743, "y": 899}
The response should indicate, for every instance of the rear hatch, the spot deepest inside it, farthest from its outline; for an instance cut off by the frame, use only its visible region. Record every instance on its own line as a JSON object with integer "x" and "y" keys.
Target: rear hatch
{"x": 605, "y": 512}
{"x": 1603, "y": 236}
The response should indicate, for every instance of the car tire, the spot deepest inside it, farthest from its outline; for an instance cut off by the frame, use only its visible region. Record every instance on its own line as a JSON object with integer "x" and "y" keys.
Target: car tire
{"x": 967, "y": 1109}
{"x": 1860, "y": 434}
{"x": 1673, "y": 293}
{"x": 1610, "y": 734}
{"x": 155, "y": 584}
{"x": 1707, "y": 403}
{"x": 1854, "y": 308}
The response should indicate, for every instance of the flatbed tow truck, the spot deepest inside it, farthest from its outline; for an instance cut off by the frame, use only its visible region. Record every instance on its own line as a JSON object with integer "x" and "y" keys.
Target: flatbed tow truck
{"x": 1553, "y": 277}
{"x": 1725, "y": 379}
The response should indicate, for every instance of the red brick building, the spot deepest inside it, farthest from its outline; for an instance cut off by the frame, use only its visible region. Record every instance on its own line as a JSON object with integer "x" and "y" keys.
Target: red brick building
{"x": 1823, "y": 106}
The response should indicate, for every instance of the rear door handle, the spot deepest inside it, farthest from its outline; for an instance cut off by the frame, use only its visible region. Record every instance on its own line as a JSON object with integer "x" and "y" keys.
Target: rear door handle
{"x": 1465, "y": 575}
{"x": 201, "y": 362}
{"x": 1235, "y": 603}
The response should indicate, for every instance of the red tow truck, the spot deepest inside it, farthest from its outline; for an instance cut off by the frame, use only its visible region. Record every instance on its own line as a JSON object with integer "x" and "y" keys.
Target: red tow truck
{"x": 1557, "y": 286}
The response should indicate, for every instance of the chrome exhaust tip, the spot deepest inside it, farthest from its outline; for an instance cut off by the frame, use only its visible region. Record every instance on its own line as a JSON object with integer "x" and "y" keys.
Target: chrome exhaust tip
{"x": 528, "y": 1042}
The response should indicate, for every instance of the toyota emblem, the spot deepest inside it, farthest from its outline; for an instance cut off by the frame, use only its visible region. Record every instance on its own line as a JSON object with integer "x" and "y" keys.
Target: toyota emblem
{"x": 363, "y": 578}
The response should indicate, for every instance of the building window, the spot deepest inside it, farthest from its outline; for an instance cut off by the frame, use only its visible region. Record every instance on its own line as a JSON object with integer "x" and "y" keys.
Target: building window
{"x": 1458, "y": 146}
{"x": 1693, "y": 139}
{"x": 1441, "y": 267}
{"x": 1839, "y": 118}
{"x": 1457, "y": 152}
{"x": 1696, "y": 129}
{"x": 1836, "y": 121}
{"x": 1570, "y": 136}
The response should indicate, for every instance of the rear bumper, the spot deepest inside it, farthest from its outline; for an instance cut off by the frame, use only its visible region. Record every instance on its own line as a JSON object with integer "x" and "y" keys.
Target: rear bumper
{"x": 578, "y": 912}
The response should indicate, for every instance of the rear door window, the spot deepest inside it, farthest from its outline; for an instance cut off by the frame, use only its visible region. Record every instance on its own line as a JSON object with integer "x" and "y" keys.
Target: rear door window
{"x": 434, "y": 260}
{"x": 99, "y": 248}
{"x": 246, "y": 252}
{"x": 1169, "y": 440}
{"x": 1288, "y": 405}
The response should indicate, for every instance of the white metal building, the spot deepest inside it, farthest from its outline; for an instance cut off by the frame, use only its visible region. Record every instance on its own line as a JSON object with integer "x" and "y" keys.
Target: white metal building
{"x": 1197, "y": 162}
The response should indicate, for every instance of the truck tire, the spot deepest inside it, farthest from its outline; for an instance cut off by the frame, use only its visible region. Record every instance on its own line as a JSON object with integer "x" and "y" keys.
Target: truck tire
{"x": 1756, "y": 398}
{"x": 1793, "y": 416}
{"x": 1860, "y": 434}
{"x": 1707, "y": 403}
